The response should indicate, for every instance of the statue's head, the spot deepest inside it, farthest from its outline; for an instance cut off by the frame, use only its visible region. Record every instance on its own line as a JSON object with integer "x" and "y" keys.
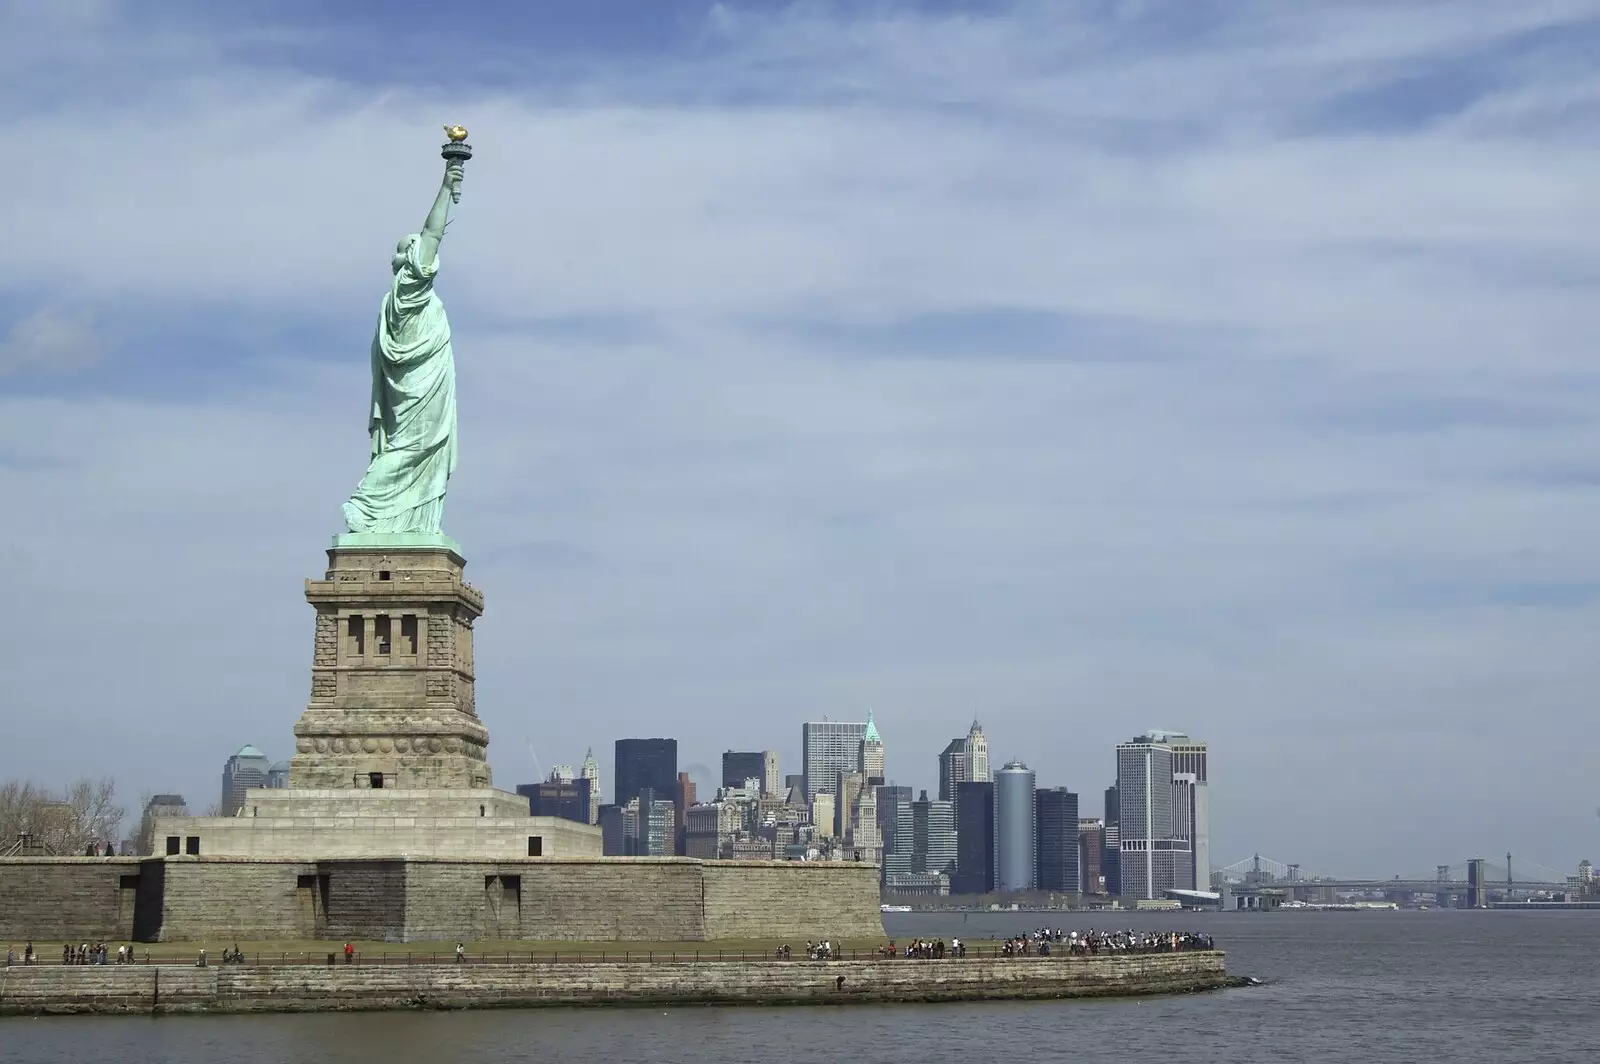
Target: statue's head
{"x": 401, "y": 250}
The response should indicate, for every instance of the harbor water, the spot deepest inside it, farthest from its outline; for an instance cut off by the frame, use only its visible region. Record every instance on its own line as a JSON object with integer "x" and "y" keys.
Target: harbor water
{"x": 1339, "y": 988}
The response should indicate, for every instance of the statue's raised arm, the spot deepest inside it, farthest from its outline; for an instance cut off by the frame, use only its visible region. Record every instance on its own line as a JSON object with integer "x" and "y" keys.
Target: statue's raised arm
{"x": 433, "y": 226}
{"x": 412, "y": 417}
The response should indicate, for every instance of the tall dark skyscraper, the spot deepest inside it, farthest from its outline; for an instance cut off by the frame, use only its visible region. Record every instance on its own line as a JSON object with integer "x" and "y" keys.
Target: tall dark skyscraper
{"x": 567, "y": 799}
{"x": 1056, "y": 839}
{"x": 739, "y": 766}
{"x": 974, "y": 838}
{"x": 645, "y": 764}
{"x": 890, "y": 800}
{"x": 1111, "y": 855}
{"x": 952, "y": 770}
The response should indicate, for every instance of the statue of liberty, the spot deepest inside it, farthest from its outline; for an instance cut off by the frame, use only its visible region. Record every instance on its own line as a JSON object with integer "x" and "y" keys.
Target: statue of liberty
{"x": 412, "y": 416}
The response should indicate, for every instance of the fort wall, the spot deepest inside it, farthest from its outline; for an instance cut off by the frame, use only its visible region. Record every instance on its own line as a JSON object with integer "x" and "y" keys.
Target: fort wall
{"x": 408, "y": 899}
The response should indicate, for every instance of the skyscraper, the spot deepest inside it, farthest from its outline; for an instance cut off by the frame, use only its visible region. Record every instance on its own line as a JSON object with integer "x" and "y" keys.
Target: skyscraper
{"x": 924, "y": 839}
{"x": 827, "y": 748}
{"x": 872, "y": 753}
{"x": 683, "y": 796}
{"x": 1091, "y": 848}
{"x": 1056, "y": 832}
{"x": 1111, "y": 853}
{"x": 1189, "y": 757}
{"x": 890, "y": 799}
{"x": 1014, "y": 827}
{"x": 161, "y": 805}
{"x": 1154, "y": 858}
{"x": 645, "y": 764}
{"x": 1188, "y": 754}
{"x": 977, "y": 750}
{"x": 846, "y": 791}
{"x": 246, "y": 769}
{"x": 591, "y": 772}
{"x": 741, "y": 765}
{"x": 952, "y": 768}
{"x": 862, "y": 839}
{"x": 1191, "y": 823}
{"x": 649, "y": 826}
{"x": 771, "y": 782}
{"x": 974, "y": 838}
{"x": 567, "y": 799}
{"x": 965, "y": 758}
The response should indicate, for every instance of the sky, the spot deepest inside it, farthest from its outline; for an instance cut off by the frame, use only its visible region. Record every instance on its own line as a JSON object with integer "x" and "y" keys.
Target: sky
{"x": 1079, "y": 368}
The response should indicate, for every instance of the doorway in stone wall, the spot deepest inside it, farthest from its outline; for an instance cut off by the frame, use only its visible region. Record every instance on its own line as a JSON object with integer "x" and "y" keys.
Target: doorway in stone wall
{"x": 502, "y": 907}
{"x": 311, "y": 896}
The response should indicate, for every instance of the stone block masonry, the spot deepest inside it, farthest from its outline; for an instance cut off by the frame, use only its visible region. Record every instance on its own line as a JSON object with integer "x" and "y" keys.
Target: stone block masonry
{"x": 62, "y": 899}
{"x": 313, "y": 988}
{"x": 392, "y": 681}
{"x": 410, "y": 899}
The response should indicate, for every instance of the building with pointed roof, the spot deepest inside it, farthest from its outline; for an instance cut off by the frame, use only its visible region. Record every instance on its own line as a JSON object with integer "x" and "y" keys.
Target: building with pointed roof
{"x": 872, "y": 753}
{"x": 591, "y": 772}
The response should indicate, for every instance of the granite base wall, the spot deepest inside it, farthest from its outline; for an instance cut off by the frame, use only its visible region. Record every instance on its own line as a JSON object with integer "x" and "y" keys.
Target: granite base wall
{"x": 78, "y": 899}
{"x": 312, "y": 988}
{"x": 400, "y": 899}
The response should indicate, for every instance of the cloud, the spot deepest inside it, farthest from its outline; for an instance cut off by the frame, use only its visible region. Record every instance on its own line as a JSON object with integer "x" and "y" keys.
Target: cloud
{"x": 1079, "y": 367}
{"x": 49, "y": 341}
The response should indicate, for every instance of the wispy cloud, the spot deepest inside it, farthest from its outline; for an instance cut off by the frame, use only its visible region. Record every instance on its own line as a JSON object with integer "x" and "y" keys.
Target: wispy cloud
{"x": 49, "y": 341}
{"x": 1082, "y": 366}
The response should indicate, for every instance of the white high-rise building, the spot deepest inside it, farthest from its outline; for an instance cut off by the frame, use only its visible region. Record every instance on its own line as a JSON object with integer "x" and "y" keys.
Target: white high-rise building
{"x": 863, "y": 842}
{"x": 828, "y": 748}
{"x": 1189, "y": 758}
{"x": 976, "y": 750}
{"x": 591, "y": 772}
{"x": 1161, "y": 817}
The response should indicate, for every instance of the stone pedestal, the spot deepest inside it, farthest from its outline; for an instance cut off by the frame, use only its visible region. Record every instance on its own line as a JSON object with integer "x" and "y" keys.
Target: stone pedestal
{"x": 392, "y": 672}
{"x": 389, "y": 754}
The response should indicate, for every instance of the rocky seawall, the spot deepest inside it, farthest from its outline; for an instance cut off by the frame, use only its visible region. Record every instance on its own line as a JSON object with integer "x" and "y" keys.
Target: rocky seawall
{"x": 159, "y": 989}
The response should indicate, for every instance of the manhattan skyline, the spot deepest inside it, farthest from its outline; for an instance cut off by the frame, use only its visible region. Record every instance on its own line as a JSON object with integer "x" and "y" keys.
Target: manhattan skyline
{"x": 1225, "y": 369}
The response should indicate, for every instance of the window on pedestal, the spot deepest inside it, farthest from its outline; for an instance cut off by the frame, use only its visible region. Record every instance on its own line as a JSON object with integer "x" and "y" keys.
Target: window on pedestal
{"x": 408, "y": 634}
{"x": 381, "y": 633}
{"x": 355, "y": 636}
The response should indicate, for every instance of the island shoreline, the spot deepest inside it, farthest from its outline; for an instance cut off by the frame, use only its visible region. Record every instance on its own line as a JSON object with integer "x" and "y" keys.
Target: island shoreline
{"x": 173, "y": 989}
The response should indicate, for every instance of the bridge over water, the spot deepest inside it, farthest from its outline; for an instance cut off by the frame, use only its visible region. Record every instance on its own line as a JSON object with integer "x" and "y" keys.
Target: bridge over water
{"x": 1512, "y": 876}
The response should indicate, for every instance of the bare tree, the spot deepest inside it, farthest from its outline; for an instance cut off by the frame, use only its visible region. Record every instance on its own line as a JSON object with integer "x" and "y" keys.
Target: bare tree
{"x": 17, "y": 800}
{"x": 70, "y": 822}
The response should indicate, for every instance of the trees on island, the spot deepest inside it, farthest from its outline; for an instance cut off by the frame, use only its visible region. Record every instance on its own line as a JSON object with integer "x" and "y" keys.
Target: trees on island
{"x": 36, "y": 820}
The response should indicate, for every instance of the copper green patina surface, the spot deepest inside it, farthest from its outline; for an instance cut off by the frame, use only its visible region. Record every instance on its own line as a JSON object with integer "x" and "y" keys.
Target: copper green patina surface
{"x": 412, "y": 415}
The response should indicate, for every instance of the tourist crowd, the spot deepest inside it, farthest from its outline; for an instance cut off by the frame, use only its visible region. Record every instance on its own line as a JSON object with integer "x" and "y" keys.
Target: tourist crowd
{"x": 1045, "y": 940}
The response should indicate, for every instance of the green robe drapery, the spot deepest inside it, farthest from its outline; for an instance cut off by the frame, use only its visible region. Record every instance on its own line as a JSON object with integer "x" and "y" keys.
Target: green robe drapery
{"x": 413, "y": 412}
